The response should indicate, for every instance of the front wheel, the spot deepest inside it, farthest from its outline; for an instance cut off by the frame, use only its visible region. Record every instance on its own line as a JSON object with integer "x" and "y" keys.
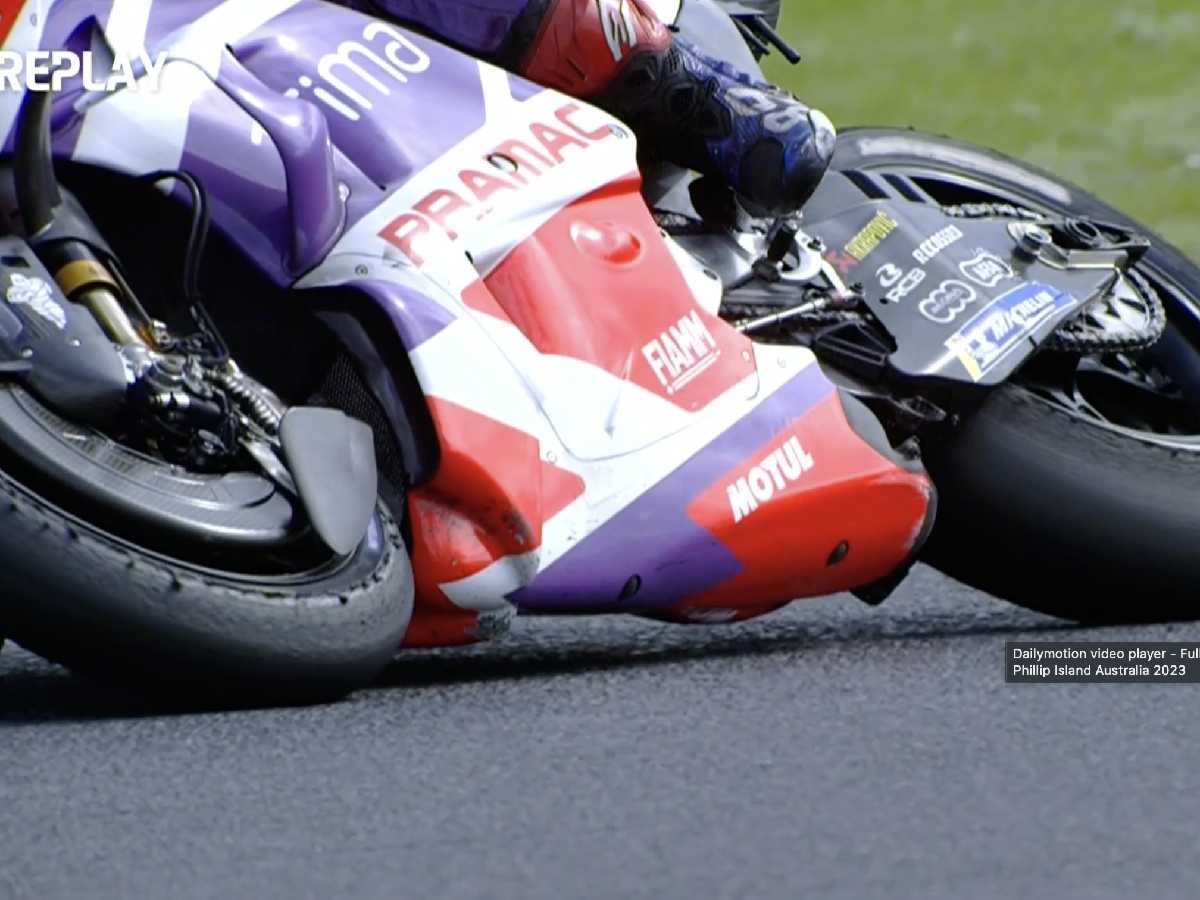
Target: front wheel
{"x": 92, "y": 577}
{"x": 1075, "y": 489}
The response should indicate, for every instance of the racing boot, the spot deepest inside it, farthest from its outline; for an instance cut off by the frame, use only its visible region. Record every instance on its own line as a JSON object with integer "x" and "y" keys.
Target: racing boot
{"x": 685, "y": 106}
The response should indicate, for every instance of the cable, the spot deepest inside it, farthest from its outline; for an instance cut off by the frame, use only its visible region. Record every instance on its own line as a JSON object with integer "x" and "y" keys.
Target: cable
{"x": 197, "y": 243}
{"x": 201, "y": 225}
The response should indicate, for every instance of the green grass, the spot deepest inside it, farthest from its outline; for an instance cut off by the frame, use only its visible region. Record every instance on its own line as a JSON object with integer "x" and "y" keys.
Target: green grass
{"x": 1105, "y": 93}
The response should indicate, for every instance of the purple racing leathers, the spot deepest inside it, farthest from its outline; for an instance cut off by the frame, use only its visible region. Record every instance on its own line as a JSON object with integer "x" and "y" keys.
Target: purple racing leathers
{"x": 479, "y": 26}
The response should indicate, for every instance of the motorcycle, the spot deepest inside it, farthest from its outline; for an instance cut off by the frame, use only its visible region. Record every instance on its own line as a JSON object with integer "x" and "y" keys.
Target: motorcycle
{"x": 444, "y": 350}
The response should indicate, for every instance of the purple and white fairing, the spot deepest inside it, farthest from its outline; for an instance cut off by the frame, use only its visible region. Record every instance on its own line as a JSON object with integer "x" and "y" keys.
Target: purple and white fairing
{"x": 313, "y": 128}
{"x": 243, "y": 119}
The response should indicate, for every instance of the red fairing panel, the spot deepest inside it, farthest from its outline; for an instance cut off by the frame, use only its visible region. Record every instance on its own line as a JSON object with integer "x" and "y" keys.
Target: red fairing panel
{"x": 9, "y": 10}
{"x": 488, "y": 500}
{"x": 641, "y": 437}
{"x": 780, "y": 498}
{"x": 619, "y": 301}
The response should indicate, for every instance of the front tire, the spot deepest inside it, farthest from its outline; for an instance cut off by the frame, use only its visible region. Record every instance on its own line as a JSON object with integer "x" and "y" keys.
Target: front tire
{"x": 99, "y": 604}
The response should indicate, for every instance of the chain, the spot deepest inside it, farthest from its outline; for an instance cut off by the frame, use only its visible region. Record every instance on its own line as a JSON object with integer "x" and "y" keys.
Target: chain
{"x": 1079, "y": 336}
{"x": 1086, "y": 338}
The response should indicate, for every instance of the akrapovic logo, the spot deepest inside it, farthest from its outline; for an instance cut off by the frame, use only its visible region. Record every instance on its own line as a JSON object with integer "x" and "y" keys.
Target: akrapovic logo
{"x": 41, "y": 71}
{"x": 784, "y": 466}
{"x": 681, "y": 353}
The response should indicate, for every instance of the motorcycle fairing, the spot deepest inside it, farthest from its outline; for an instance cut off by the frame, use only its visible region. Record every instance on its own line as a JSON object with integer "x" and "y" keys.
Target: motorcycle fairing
{"x": 571, "y": 477}
{"x": 341, "y": 62}
{"x": 394, "y": 101}
{"x": 784, "y": 479}
{"x": 569, "y": 216}
{"x": 675, "y": 528}
{"x": 511, "y": 504}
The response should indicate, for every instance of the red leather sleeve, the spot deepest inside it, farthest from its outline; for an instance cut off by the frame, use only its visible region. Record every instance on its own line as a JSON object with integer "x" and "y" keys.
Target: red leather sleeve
{"x": 584, "y": 44}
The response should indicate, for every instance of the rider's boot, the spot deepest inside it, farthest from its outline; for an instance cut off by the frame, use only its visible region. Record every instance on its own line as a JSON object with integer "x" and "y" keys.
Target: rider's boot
{"x": 685, "y": 106}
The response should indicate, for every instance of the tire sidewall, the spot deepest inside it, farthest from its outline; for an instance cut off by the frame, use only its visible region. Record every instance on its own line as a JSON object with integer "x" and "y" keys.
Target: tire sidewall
{"x": 95, "y": 602}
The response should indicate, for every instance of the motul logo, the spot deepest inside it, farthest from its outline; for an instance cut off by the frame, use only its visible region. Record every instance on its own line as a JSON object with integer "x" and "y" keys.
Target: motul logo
{"x": 681, "y": 353}
{"x": 784, "y": 466}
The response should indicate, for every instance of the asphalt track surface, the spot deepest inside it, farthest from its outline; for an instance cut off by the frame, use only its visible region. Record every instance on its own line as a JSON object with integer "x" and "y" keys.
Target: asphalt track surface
{"x": 831, "y": 750}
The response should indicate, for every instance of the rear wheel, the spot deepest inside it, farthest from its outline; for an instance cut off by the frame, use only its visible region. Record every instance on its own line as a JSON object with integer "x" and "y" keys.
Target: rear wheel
{"x": 1075, "y": 489}
{"x": 1063, "y": 515}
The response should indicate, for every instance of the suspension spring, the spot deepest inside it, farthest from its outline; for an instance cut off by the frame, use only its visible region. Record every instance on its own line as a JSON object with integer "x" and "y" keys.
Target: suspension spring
{"x": 261, "y": 409}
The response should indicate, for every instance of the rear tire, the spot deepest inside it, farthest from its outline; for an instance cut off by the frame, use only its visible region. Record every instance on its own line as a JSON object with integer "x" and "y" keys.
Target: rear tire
{"x": 1070, "y": 519}
{"x": 1037, "y": 506}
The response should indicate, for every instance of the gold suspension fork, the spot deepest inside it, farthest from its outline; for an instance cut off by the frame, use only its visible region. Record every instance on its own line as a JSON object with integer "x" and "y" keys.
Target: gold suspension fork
{"x": 86, "y": 280}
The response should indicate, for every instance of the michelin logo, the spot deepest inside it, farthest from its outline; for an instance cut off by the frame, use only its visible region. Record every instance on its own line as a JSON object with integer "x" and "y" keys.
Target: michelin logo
{"x": 1004, "y": 325}
{"x": 784, "y": 466}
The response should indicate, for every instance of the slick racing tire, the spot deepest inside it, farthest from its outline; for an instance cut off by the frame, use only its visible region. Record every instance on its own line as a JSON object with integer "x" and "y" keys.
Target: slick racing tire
{"x": 102, "y": 606}
{"x": 99, "y": 601}
{"x": 1042, "y": 506}
{"x": 1045, "y": 510}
